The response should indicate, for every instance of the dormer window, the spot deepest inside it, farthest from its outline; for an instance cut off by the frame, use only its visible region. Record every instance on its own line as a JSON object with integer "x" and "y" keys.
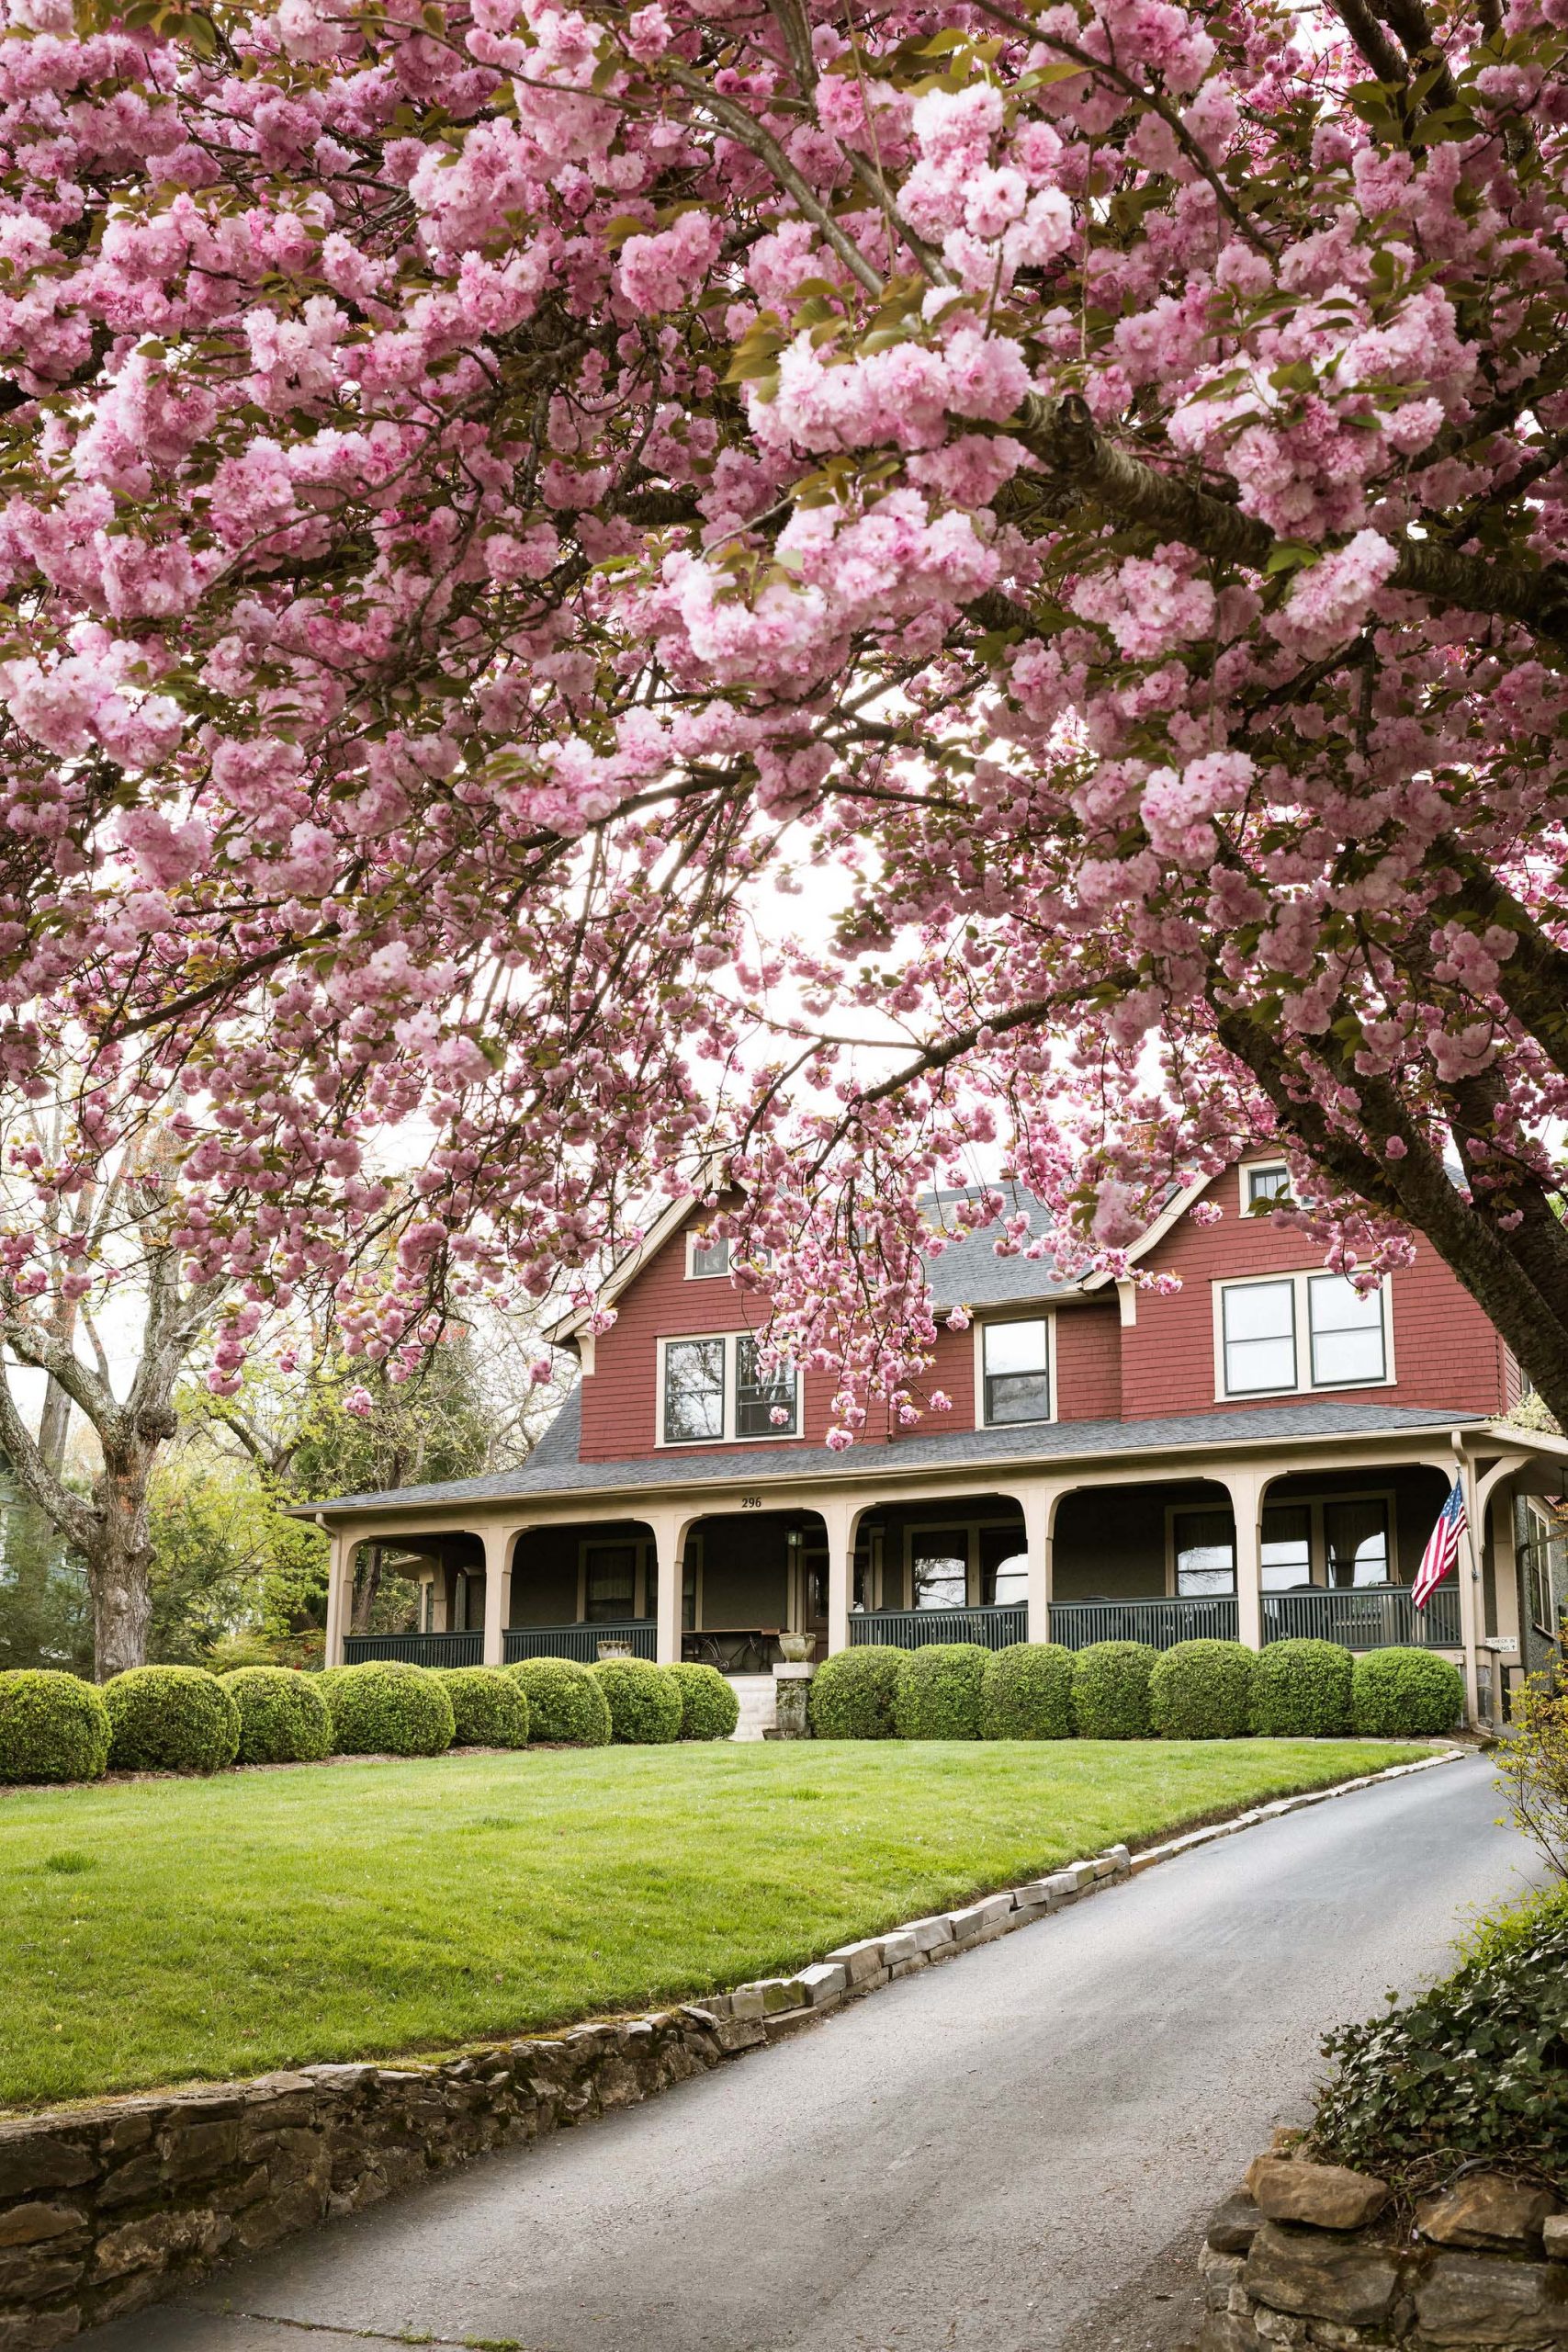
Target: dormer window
{"x": 716, "y": 1388}
{"x": 1015, "y": 1360}
{"x": 1264, "y": 1183}
{"x": 708, "y": 1258}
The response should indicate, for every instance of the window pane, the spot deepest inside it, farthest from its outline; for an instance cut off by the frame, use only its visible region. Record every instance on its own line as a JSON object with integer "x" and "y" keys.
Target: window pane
{"x": 1004, "y": 1567}
{"x": 693, "y": 1391}
{"x": 1268, "y": 1184}
{"x": 1018, "y": 1397}
{"x": 1015, "y": 1346}
{"x": 1347, "y": 1332}
{"x": 1205, "y": 1552}
{"x": 710, "y": 1257}
{"x": 611, "y": 1582}
{"x": 1356, "y": 1535}
{"x": 764, "y": 1401}
{"x": 1259, "y": 1328}
{"x": 941, "y": 1575}
{"x": 1286, "y": 1557}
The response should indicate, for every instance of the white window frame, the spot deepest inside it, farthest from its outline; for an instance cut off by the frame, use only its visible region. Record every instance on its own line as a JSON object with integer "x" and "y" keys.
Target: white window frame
{"x": 1250, "y": 1167}
{"x": 697, "y": 1239}
{"x": 732, "y": 1353}
{"x": 994, "y": 1322}
{"x": 1303, "y": 1384}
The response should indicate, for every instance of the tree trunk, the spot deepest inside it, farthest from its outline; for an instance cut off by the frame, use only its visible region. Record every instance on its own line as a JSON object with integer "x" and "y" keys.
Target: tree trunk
{"x": 119, "y": 1560}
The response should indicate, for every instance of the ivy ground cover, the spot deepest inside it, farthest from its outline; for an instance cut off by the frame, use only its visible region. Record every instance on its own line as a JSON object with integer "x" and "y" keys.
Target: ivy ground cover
{"x": 161, "y": 1930}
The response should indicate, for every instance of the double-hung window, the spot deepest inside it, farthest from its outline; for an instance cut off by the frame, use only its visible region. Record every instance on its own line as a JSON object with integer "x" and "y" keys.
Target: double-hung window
{"x": 1265, "y": 1184}
{"x": 1016, "y": 1370}
{"x": 1287, "y": 1333}
{"x": 709, "y": 1257}
{"x": 718, "y": 1387}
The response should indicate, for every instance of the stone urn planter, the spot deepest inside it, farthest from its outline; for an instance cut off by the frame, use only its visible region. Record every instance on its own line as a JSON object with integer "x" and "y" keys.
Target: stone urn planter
{"x": 615, "y": 1649}
{"x": 798, "y": 1650}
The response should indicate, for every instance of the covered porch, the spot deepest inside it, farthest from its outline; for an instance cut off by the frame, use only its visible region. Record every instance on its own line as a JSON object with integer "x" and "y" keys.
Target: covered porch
{"x": 1160, "y": 1541}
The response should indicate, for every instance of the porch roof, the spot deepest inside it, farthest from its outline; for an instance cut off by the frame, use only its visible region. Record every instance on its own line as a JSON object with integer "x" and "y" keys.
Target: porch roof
{"x": 553, "y": 1471}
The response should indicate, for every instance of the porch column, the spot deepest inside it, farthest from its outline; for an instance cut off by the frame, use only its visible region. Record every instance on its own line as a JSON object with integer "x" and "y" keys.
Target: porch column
{"x": 1246, "y": 1490}
{"x": 1039, "y": 1507}
{"x": 339, "y": 1594}
{"x": 669, "y": 1541}
{"x": 498, "y": 1592}
{"x": 839, "y": 1516}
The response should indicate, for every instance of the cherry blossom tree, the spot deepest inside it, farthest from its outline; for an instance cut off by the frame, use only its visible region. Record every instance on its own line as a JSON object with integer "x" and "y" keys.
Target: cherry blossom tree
{"x": 489, "y": 483}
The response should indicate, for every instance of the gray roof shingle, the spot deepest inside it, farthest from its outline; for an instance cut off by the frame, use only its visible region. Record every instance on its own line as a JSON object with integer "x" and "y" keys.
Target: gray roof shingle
{"x": 553, "y": 1470}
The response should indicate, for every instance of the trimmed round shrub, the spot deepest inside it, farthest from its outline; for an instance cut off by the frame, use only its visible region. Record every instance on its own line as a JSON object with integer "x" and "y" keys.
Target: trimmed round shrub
{"x": 566, "y": 1707}
{"x": 644, "y": 1700}
{"x": 1301, "y": 1689}
{"x": 709, "y": 1708}
{"x": 1203, "y": 1690}
{"x": 1110, "y": 1690}
{"x": 1406, "y": 1694}
{"x": 1026, "y": 1692}
{"x": 283, "y": 1719}
{"x": 487, "y": 1707}
{"x": 388, "y": 1708}
{"x": 52, "y": 1727}
{"x": 171, "y": 1719}
{"x": 938, "y": 1693}
{"x": 853, "y": 1693}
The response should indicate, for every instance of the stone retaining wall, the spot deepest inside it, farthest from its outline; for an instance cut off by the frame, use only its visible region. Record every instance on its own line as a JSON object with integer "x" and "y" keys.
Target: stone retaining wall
{"x": 1315, "y": 2255}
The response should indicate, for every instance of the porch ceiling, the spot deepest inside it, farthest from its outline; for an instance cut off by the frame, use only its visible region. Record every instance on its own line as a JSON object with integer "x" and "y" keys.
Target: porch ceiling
{"x": 554, "y": 1474}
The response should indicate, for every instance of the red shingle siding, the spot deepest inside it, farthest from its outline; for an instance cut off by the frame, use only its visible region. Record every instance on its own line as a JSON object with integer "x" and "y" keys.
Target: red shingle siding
{"x": 1089, "y": 1364}
{"x": 620, "y": 1402}
{"x": 1445, "y": 1353}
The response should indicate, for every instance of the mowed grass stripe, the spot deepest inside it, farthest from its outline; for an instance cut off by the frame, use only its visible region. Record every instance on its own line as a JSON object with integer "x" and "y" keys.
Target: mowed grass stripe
{"x": 161, "y": 1931}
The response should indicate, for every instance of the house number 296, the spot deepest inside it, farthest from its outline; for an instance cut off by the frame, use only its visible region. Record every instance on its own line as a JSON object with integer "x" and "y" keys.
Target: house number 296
{"x": 750, "y": 1502}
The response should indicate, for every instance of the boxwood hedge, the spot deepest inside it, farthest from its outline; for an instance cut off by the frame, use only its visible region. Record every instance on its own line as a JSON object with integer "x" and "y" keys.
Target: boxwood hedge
{"x": 853, "y": 1693}
{"x": 1026, "y": 1692}
{"x": 938, "y": 1692}
{"x": 566, "y": 1707}
{"x": 388, "y": 1708}
{"x": 644, "y": 1700}
{"x": 1301, "y": 1689}
{"x": 171, "y": 1719}
{"x": 52, "y": 1726}
{"x": 1402, "y": 1694}
{"x": 1110, "y": 1690}
{"x": 1202, "y": 1691}
{"x": 488, "y": 1709}
{"x": 284, "y": 1718}
{"x": 709, "y": 1708}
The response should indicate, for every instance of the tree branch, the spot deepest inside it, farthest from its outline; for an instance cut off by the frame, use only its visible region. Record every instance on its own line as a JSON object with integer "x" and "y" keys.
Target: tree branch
{"x": 75, "y": 1521}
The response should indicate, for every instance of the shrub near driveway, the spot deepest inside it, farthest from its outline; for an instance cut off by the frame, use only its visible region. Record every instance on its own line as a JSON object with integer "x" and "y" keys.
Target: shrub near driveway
{"x": 284, "y": 1718}
{"x": 488, "y": 1709}
{"x": 1202, "y": 1691}
{"x": 384, "y": 1708}
{"x": 1401, "y": 1694}
{"x": 52, "y": 1727}
{"x": 566, "y": 1707}
{"x": 171, "y": 1719}
{"x": 937, "y": 1696}
{"x": 709, "y": 1708}
{"x": 1026, "y": 1692}
{"x": 1110, "y": 1690}
{"x": 1301, "y": 1689}
{"x": 644, "y": 1700}
{"x": 853, "y": 1693}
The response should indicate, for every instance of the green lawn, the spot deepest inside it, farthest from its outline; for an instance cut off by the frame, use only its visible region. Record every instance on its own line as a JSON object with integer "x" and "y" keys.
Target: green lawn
{"x": 161, "y": 1931}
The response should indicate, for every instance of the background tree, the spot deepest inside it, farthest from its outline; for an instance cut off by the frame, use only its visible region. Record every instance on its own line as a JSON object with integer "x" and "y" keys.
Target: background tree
{"x": 490, "y": 484}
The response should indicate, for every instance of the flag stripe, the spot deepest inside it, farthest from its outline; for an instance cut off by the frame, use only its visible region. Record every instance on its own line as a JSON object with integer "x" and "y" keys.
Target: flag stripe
{"x": 1441, "y": 1555}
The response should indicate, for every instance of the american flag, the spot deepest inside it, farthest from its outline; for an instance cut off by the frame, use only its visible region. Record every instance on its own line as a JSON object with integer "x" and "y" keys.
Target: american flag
{"x": 1441, "y": 1553}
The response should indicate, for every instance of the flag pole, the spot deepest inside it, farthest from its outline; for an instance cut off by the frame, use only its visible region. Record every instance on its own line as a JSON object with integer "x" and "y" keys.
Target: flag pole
{"x": 1467, "y": 1571}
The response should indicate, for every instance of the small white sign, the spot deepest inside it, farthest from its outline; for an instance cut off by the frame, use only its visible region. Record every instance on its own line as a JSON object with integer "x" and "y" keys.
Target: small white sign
{"x": 1500, "y": 1642}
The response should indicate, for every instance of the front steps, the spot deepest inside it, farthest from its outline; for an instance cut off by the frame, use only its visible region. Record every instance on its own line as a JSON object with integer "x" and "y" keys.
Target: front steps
{"x": 758, "y": 1714}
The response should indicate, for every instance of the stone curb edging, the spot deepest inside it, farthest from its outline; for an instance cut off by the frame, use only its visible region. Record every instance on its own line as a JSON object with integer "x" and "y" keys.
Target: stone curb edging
{"x": 107, "y": 2207}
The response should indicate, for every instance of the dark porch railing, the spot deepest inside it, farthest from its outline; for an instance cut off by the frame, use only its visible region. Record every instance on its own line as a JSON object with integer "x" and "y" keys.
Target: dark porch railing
{"x": 580, "y": 1642}
{"x": 912, "y": 1629}
{"x": 1161, "y": 1622}
{"x": 1365, "y": 1617}
{"x": 416, "y": 1649}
